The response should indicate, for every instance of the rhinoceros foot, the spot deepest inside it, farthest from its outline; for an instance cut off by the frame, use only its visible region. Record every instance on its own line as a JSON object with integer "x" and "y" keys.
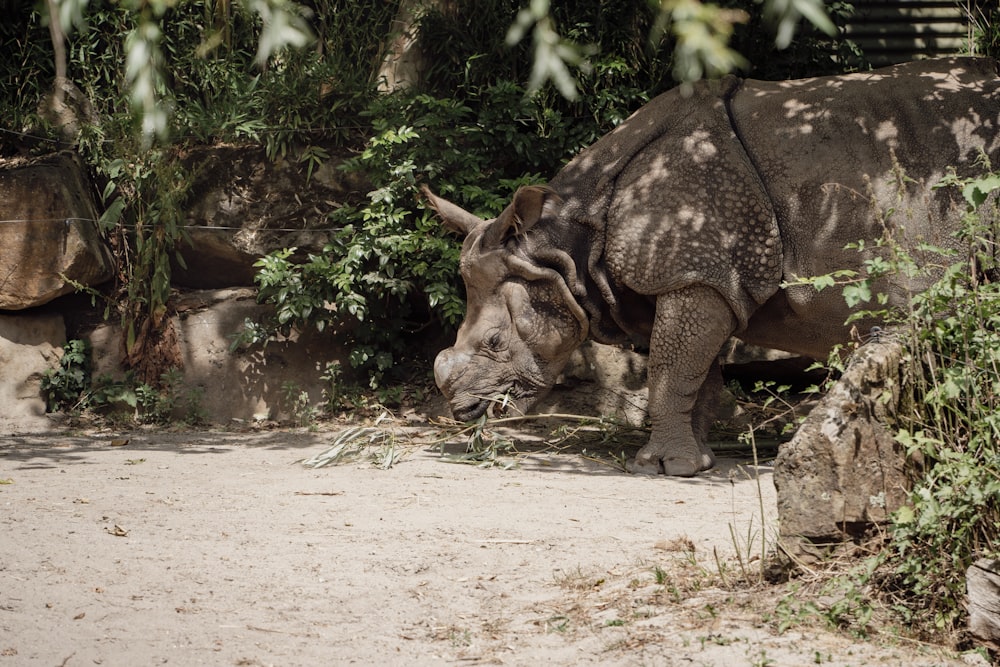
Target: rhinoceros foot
{"x": 672, "y": 465}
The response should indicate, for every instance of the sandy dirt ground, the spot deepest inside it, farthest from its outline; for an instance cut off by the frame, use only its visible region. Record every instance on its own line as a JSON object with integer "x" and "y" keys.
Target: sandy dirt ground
{"x": 220, "y": 548}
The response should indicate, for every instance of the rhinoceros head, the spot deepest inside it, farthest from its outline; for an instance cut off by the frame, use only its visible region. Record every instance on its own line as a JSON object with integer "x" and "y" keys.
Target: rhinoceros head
{"x": 522, "y": 320}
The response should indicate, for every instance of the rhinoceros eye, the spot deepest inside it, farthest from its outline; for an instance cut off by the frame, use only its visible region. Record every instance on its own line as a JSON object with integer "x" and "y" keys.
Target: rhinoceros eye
{"x": 494, "y": 341}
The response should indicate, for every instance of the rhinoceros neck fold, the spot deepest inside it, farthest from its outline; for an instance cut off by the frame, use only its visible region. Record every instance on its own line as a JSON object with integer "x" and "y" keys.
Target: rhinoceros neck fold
{"x": 615, "y": 314}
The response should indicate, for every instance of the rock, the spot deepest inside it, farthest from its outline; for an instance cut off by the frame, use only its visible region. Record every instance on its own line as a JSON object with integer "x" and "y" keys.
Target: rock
{"x": 843, "y": 472}
{"x": 983, "y": 585}
{"x": 30, "y": 344}
{"x": 49, "y": 232}
{"x": 243, "y": 385}
{"x": 242, "y": 205}
{"x": 67, "y": 108}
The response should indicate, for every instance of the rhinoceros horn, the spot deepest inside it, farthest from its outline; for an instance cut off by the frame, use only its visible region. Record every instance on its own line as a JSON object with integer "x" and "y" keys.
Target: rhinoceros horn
{"x": 454, "y": 217}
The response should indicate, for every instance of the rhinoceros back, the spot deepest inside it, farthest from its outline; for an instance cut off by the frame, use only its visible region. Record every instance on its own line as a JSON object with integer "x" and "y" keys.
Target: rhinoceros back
{"x": 856, "y": 157}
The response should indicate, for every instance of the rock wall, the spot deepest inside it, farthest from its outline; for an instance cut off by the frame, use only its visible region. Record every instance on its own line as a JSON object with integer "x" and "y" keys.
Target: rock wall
{"x": 239, "y": 386}
{"x": 30, "y": 344}
{"x": 242, "y": 205}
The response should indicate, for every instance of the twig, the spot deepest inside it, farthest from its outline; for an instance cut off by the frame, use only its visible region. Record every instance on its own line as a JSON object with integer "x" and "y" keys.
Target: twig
{"x": 504, "y": 541}
{"x": 260, "y": 629}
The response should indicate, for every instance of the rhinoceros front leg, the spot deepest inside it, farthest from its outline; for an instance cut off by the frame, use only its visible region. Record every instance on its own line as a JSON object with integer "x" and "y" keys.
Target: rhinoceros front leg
{"x": 690, "y": 328}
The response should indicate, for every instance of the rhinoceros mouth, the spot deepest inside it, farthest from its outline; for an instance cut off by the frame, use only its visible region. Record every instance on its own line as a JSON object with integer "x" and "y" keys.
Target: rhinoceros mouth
{"x": 468, "y": 413}
{"x": 507, "y": 404}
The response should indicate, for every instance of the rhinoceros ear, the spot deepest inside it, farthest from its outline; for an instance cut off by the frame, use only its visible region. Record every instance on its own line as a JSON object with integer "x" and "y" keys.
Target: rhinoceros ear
{"x": 454, "y": 216}
{"x": 525, "y": 210}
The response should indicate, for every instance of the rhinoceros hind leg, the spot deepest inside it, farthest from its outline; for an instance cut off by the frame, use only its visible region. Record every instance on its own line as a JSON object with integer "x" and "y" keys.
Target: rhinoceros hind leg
{"x": 684, "y": 381}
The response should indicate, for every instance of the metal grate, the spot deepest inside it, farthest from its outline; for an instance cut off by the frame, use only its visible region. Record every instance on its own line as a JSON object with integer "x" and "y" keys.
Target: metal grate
{"x": 894, "y": 31}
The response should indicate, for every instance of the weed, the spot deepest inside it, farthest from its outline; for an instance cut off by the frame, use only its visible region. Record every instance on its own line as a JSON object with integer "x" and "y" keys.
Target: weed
{"x": 63, "y": 387}
{"x": 557, "y": 623}
{"x": 161, "y": 404}
{"x": 794, "y": 609}
{"x": 334, "y": 390}
{"x": 298, "y": 403}
{"x": 759, "y": 658}
{"x": 70, "y": 387}
{"x": 460, "y": 637}
{"x": 745, "y": 547}
{"x": 577, "y": 580}
{"x": 715, "y": 639}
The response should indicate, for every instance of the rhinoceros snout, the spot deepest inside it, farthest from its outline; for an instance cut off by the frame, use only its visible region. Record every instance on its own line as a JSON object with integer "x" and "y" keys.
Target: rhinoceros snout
{"x": 447, "y": 365}
{"x": 450, "y": 370}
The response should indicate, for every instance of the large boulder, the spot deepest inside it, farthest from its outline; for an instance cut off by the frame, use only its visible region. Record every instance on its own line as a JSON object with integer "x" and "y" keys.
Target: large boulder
{"x": 843, "y": 472}
{"x": 242, "y": 205}
{"x": 48, "y": 235}
{"x": 30, "y": 344}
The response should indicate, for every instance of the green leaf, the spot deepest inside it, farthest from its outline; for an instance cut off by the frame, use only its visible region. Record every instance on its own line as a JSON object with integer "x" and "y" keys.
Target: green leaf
{"x": 857, "y": 293}
{"x": 904, "y": 515}
{"x": 976, "y": 191}
{"x": 283, "y": 26}
{"x": 820, "y": 283}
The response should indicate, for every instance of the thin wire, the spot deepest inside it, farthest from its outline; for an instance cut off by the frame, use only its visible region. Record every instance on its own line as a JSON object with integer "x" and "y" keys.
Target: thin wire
{"x": 67, "y": 221}
{"x": 30, "y": 136}
{"x": 263, "y": 130}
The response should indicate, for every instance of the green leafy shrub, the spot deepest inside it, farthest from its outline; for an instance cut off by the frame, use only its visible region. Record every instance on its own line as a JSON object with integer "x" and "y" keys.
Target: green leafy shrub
{"x": 950, "y": 421}
{"x": 390, "y": 266}
{"x": 470, "y": 130}
{"x": 71, "y": 388}
{"x": 63, "y": 386}
{"x": 954, "y": 426}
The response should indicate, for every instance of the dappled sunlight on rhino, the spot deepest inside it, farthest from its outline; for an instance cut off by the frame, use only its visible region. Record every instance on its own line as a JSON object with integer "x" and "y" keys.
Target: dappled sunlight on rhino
{"x": 685, "y": 225}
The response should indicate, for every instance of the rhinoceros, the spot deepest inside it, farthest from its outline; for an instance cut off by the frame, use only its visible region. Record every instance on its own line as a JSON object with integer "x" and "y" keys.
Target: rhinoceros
{"x": 690, "y": 223}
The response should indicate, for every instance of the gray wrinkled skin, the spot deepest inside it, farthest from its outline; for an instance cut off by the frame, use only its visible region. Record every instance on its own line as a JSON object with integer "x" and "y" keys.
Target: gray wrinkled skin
{"x": 678, "y": 229}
